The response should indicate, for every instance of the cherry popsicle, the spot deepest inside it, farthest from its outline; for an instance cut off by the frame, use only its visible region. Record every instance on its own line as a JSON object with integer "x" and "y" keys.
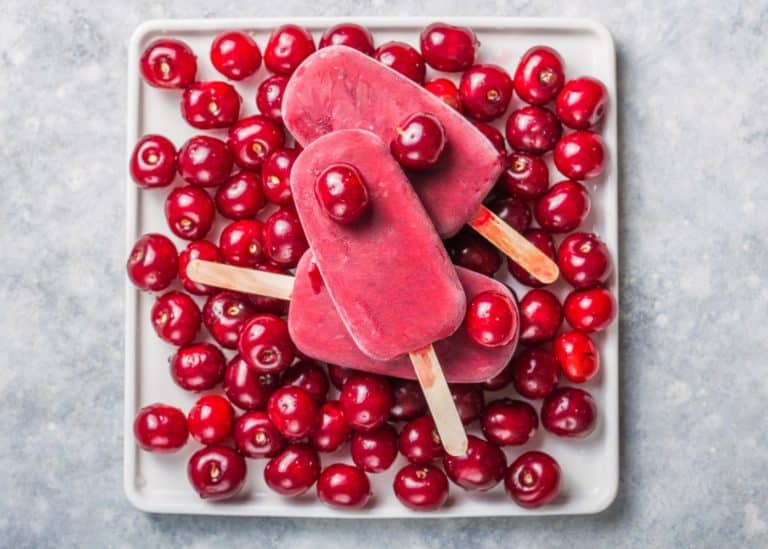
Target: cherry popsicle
{"x": 340, "y": 88}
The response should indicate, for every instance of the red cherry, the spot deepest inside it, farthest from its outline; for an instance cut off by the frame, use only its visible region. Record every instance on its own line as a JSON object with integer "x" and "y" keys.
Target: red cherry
{"x": 569, "y": 412}
{"x": 252, "y": 139}
{"x": 265, "y": 345}
{"x": 419, "y": 441}
{"x": 350, "y": 35}
{"x": 339, "y": 375}
{"x": 508, "y": 422}
{"x": 493, "y": 135}
{"x": 581, "y": 103}
{"x": 225, "y": 314}
{"x": 539, "y": 75}
{"x": 485, "y": 92}
{"x": 341, "y": 192}
{"x": 469, "y": 401}
{"x": 293, "y": 412}
{"x": 526, "y": 176}
{"x": 240, "y": 197}
{"x": 269, "y": 97}
{"x": 419, "y": 141}
{"x": 331, "y": 429}
{"x": 256, "y": 437}
{"x": 534, "y": 130}
{"x": 153, "y": 162}
{"x": 198, "y": 367}
{"x": 513, "y": 211}
{"x": 536, "y": 373}
{"x": 448, "y": 48}
{"x": 543, "y": 241}
{"x": 375, "y": 451}
{"x": 421, "y": 487}
{"x": 216, "y": 472}
{"x": 276, "y": 176}
{"x": 168, "y": 63}
{"x": 287, "y": 47}
{"x": 578, "y": 356}
{"x": 153, "y": 263}
{"x": 310, "y": 376}
{"x": 160, "y": 428}
{"x": 210, "y": 419}
{"x": 563, "y": 207}
{"x": 533, "y": 479}
{"x": 403, "y": 58}
{"x": 446, "y": 91}
{"x": 500, "y": 380}
{"x": 293, "y": 471}
{"x": 175, "y": 318}
{"x": 241, "y": 243}
{"x": 409, "y": 400}
{"x": 189, "y": 211}
{"x": 366, "y": 400}
{"x": 210, "y": 105}
{"x": 540, "y": 316}
{"x": 470, "y": 251}
{"x": 284, "y": 239}
{"x": 584, "y": 260}
{"x": 580, "y": 155}
{"x": 246, "y": 388}
{"x": 481, "y": 468}
{"x": 590, "y": 310}
{"x": 343, "y": 486}
{"x": 235, "y": 55}
{"x": 205, "y": 161}
{"x": 492, "y": 320}
{"x": 199, "y": 249}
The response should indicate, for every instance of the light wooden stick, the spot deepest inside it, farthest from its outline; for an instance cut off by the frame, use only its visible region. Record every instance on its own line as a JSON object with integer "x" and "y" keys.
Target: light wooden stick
{"x": 240, "y": 279}
{"x": 439, "y": 399}
{"x": 514, "y": 245}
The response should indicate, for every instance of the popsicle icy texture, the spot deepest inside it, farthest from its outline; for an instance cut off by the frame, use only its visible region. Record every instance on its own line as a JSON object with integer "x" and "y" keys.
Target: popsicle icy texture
{"x": 340, "y": 88}
{"x": 317, "y": 331}
{"x": 388, "y": 273}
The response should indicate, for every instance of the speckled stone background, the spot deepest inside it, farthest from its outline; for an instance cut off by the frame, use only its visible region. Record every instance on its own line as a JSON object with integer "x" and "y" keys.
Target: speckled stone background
{"x": 694, "y": 159}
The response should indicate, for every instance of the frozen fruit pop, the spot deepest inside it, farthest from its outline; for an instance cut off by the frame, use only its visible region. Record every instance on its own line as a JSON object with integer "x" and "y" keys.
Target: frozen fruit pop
{"x": 340, "y": 88}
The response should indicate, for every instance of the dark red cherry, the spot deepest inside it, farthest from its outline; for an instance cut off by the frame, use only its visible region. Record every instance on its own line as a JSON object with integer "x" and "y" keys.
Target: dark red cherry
{"x": 288, "y": 46}
{"x": 211, "y": 419}
{"x": 590, "y": 310}
{"x": 581, "y": 103}
{"x": 563, "y": 207}
{"x": 284, "y": 240}
{"x": 310, "y": 376}
{"x": 331, "y": 430}
{"x": 205, "y": 161}
{"x": 486, "y": 91}
{"x": 584, "y": 260}
{"x": 269, "y": 97}
{"x": 492, "y": 319}
{"x": 374, "y": 451}
{"x": 534, "y": 130}
{"x": 153, "y": 263}
{"x": 469, "y": 401}
{"x": 276, "y": 176}
{"x": 265, "y": 345}
{"x": 513, "y": 211}
{"x": 256, "y": 437}
{"x": 409, "y": 401}
{"x": 293, "y": 411}
{"x": 342, "y": 193}
{"x": 241, "y": 243}
{"x": 350, "y": 35}
{"x": 533, "y": 479}
{"x": 481, "y": 468}
{"x": 216, "y": 472}
{"x": 419, "y": 141}
{"x": 469, "y": 250}
{"x": 536, "y": 373}
{"x": 199, "y": 249}
{"x": 153, "y": 162}
{"x": 543, "y": 241}
{"x": 421, "y": 487}
{"x": 189, "y": 211}
{"x": 198, "y": 367}
{"x": 526, "y": 176}
{"x": 343, "y": 486}
{"x": 539, "y": 75}
{"x": 580, "y": 155}
{"x": 448, "y": 48}
{"x": 402, "y": 58}
{"x": 252, "y": 139}
{"x": 247, "y": 388}
{"x": 578, "y": 356}
{"x": 419, "y": 441}
{"x": 569, "y": 412}
{"x": 160, "y": 428}
{"x": 235, "y": 55}
{"x": 210, "y": 105}
{"x": 508, "y": 422}
{"x": 293, "y": 471}
{"x": 168, "y": 63}
{"x": 366, "y": 400}
{"x": 240, "y": 197}
{"x": 446, "y": 91}
{"x": 339, "y": 375}
{"x": 175, "y": 318}
{"x": 540, "y": 316}
{"x": 225, "y": 314}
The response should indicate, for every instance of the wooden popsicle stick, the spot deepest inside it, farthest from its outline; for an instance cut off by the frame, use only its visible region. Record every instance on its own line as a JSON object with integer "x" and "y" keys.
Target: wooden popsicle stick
{"x": 240, "y": 279}
{"x": 439, "y": 399}
{"x": 514, "y": 245}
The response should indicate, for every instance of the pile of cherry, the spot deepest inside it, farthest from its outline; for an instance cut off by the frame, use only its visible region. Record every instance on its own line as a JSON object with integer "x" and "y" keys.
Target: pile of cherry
{"x": 287, "y": 417}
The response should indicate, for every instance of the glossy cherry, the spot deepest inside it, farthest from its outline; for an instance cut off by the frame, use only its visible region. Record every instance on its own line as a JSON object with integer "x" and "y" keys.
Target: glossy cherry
{"x": 539, "y": 76}
{"x": 409, "y": 401}
{"x": 448, "y": 48}
{"x": 543, "y": 241}
{"x": 199, "y": 249}
{"x": 525, "y": 175}
{"x": 578, "y": 356}
{"x": 293, "y": 471}
{"x": 419, "y": 441}
{"x": 276, "y": 176}
{"x": 342, "y": 193}
{"x": 240, "y": 197}
{"x": 293, "y": 411}
{"x": 252, "y": 139}
{"x": 153, "y": 262}
{"x": 421, "y": 487}
{"x": 535, "y": 373}
{"x": 256, "y": 437}
{"x": 590, "y": 310}
{"x": 508, "y": 422}
{"x": 153, "y": 162}
{"x": 350, "y": 35}
{"x": 269, "y": 97}
{"x": 175, "y": 318}
{"x": 374, "y": 451}
{"x": 493, "y": 135}
{"x": 168, "y": 63}
{"x": 265, "y": 345}
{"x": 287, "y": 47}
{"x": 533, "y": 479}
{"x": 569, "y": 412}
{"x": 198, "y": 367}
{"x": 210, "y": 105}
{"x": 402, "y": 58}
{"x": 205, "y": 161}
{"x": 513, "y": 211}
{"x": 533, "y": 130}
{"x": 343, "y": 486}
{"x": 469, "y": 401}
{"x": 216, "y": 472}
{"x": 160, "y": 428}
{"x": 492, "y": 319}
{"x": 446, "y": 91}
{"x": 284, "y": 239}
{"x": 485, "y": 92}
{"x": 241, "y": 243}
{"x": 563, "y": 207}
{"x": 419, "y": 141}
{"x": 540, "y": 316}
{"x": 310, "y": 376}
{"x": 189, "y": 211}
{"x": 581, "y": 103}
{"x": 584, "y": 260}
{"x": 481, "y": 468}
{"x": 366, "y": 400}
{"x": 235, "y": 55}
{"x": 225, "y": 314}
{"x": 246, "y": 388}
{"x": 331, "y": 430}
{"x": 339, "y": 375}
{"x": 469, "y": 250}
{"x": 580, "y": 155}
{"x": 210, "y": 420}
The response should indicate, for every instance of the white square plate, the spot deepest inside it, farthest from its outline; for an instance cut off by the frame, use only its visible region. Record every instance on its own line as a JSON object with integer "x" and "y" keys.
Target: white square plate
{"x": 158, "y": 483}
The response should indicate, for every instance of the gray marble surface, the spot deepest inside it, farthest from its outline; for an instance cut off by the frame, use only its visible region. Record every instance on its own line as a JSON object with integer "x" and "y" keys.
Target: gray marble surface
{"x": 694, "y": 158}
